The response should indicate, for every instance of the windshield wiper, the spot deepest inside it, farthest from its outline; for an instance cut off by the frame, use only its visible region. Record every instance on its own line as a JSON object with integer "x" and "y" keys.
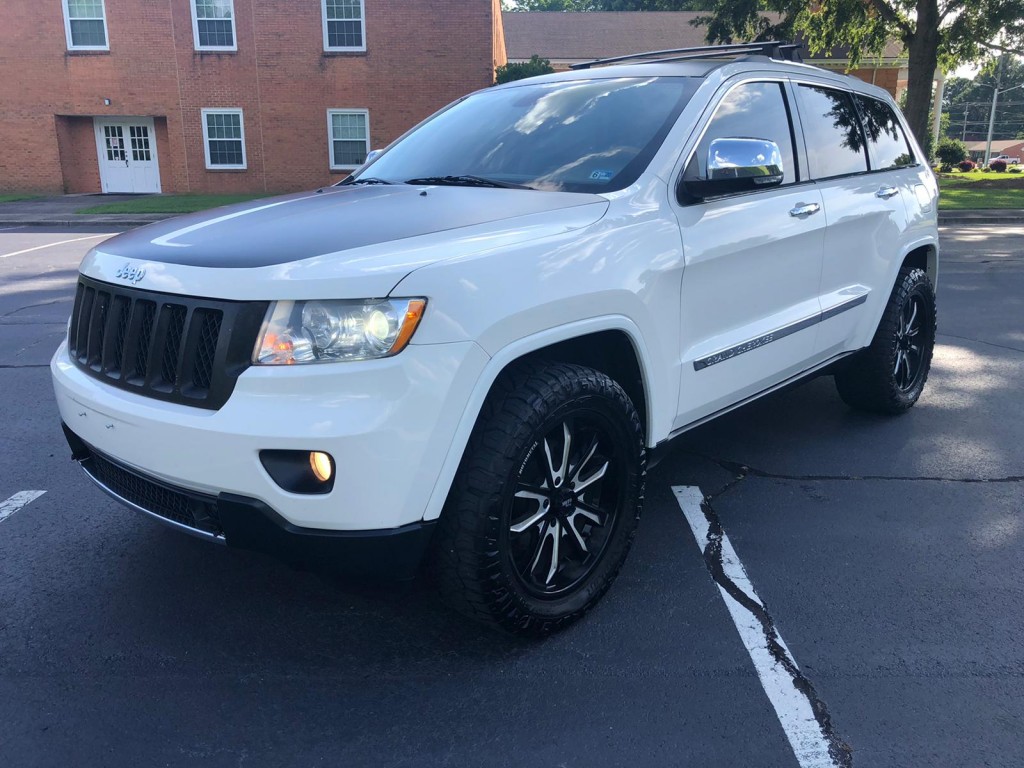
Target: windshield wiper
{"x": 465, "y": 181}
{"x": 365, "y": 180}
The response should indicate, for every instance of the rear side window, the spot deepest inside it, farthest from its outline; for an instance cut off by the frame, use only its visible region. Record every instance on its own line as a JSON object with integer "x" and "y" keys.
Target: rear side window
{"x": 749, "y": 111}
{"x": 832, "y": 132}
{"x": 886, "y": 140}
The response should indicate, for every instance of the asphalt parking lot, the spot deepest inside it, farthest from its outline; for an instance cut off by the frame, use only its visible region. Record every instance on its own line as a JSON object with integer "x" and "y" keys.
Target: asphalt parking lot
{"x": 887, "y": 553}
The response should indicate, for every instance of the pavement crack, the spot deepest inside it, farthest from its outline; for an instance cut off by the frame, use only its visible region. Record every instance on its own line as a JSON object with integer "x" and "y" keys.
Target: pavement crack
{"x": 25, "y": 365}
{"x": 840, "y": 752}
{"x": 35, "y": 306}
{"x": 742, "y": 471}
{"x": 980, "y": 341}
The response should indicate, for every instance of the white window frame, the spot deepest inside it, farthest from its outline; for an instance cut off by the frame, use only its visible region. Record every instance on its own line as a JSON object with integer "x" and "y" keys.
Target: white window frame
{"x": 330, "y": 135}
{"x": 67, "y": 30}
{"x": 343, "y": 48}
{"x": 195, "y": 31}
{"x": 206, "y": 138}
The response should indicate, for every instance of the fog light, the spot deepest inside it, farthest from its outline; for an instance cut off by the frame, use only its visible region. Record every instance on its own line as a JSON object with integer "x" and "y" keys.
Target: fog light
{"x": 320, "y": 463}
{"x": 300, "y": 471}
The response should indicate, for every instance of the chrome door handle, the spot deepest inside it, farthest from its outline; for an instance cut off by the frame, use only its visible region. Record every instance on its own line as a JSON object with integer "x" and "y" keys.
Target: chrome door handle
{"x": 805, "y": 209}
{"x": 126, "y": 162}
{"x": 886, "y": 192}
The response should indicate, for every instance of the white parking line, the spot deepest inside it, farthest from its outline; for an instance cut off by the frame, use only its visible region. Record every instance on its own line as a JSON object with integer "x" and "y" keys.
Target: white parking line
{"x": 802, "y": 715}
{"x": 17, "y": 501}
{"x": 51, "y": 245}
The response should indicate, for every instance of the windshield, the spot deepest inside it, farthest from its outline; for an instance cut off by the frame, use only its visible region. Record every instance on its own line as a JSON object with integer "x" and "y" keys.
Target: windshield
{"x": 574, "y": 136}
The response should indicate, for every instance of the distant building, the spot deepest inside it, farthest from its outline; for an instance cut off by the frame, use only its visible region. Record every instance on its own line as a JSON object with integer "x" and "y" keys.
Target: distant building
{"x": 225, "y": 95}
{"x": 568, "y": 38}
{"x": 1008, "y": 147}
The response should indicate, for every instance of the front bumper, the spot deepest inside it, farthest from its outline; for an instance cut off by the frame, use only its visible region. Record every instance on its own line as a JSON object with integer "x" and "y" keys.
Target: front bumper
{"x": 388, "y": 424}
{"x": 247, "y": 523}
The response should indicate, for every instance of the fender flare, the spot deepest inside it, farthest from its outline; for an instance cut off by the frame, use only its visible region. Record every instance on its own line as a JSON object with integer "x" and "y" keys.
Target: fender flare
{"x": 654, "y": 390}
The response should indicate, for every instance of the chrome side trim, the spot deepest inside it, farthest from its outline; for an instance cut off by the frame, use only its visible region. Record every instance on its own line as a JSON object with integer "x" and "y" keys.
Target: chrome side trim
{"x": 747, "y": 400}
{"x": 778, "y": 333}
{"x": 205, "y": 535}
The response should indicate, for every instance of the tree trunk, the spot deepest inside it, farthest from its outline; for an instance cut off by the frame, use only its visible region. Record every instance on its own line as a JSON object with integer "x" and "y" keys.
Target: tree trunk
{"x": 923, "y": 56}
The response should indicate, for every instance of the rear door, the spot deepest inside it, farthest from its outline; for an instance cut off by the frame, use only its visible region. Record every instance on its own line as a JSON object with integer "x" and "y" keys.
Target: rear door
{"x": 749, "y": 297}
{"x": 861, "y": 162}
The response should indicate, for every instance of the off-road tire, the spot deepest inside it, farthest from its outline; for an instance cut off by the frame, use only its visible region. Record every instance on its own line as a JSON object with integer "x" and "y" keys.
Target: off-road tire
{"x": 869, "y": 380}
{"x": 471, "y": 558}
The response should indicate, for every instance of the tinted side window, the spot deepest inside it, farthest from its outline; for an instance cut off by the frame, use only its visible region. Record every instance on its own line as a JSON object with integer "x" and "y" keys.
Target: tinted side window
{"x": 749, "y": 111}
{"x": 888, "y": 145}
{"x": 832, "y": 131}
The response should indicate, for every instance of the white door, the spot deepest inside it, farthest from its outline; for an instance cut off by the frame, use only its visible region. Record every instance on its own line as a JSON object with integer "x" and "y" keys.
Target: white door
{"x": 126, "y": 148}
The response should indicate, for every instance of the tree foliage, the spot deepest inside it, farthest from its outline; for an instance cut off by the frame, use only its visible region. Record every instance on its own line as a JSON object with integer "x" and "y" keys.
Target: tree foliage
{"x": 518, "y": 70}
{"x": 968, "y": 102}
{"x": 607, "y": 5}
{"x": 933, "y": 33}
{"x": 951, "y": 151}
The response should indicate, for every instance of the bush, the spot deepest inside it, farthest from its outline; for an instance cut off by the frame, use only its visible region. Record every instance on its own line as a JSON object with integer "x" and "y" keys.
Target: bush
{"x": 966, "y": 165}
{"x": 945, "y": 168}
{"x": 951, "y": 151}
{"x": 986, "y": 169}
{"x": 1015, "y": 169}
{"x": 999, "y": 166}
{"x": 521, "y": 69}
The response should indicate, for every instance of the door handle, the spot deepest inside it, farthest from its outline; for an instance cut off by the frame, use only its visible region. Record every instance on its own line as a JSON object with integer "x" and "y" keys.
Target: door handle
{"x": 805, "y": 209}
{"x": 126, "y": 161}
{"x": 886, "y": 192}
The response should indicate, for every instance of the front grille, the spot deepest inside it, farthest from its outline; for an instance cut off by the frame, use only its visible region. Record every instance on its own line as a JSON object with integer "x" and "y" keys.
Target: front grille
{"x": 188, "y": 508}
{"x": 178, "y": 348}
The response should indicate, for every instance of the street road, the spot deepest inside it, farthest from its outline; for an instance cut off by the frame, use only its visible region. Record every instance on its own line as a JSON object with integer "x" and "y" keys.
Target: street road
{"x": 887, "y": 554}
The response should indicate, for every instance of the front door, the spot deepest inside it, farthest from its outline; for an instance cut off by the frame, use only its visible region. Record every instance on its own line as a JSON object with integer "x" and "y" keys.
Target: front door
{"x": 126, "y": 148}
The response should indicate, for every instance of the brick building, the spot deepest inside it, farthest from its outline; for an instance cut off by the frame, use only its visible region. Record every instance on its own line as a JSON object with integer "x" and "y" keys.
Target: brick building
{"x": 225, "y": 95}
{"x": 568, "y": 38}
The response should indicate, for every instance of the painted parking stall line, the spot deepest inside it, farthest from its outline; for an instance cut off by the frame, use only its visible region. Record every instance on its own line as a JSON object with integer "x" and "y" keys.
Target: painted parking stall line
{"x": 17, "y": 501}
{"x": 803, "y": 716}
{"x": 53, "y": 245}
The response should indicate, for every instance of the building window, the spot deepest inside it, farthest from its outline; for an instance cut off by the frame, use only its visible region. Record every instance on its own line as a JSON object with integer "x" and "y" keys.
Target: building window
{"x": 344, "y": 25}
{"x": 85, "y": 25}
{"x": 224, "y": 139}
{"x": 349, "y": 132}
{"x": 213, "y": 25}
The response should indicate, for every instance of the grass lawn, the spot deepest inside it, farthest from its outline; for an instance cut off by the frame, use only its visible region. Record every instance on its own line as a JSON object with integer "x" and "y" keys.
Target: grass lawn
{"x": 16, "y": 198}
{"x": 171, "y": 203}
{"x": 978, "y": 190}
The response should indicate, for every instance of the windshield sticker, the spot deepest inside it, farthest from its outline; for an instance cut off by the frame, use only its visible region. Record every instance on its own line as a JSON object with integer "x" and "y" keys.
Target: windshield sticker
{"x": 602, "y": 176}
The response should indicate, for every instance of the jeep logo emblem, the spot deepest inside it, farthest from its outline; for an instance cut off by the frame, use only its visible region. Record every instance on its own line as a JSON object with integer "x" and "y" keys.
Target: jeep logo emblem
{"x": 130, "y": 273}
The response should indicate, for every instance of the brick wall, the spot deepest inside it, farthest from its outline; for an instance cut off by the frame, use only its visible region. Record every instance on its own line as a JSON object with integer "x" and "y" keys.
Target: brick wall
{"x": 420, "y": 55}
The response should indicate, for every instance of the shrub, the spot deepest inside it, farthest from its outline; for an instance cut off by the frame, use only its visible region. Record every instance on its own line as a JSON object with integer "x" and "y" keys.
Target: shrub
{"x": 945, "y": 168}
{"x": 518, "y": 70}
{"x": 1014, "y": 169}
{"x": 966, "y": 165}
{"x": 999, "y": 166}
{"x": 986, "y": 169}
{"x": 951, "y": 151}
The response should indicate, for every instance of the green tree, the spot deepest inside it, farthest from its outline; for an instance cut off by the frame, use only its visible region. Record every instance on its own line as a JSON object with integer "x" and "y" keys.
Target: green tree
{"x": 607, "y": 5}
{"x": 933, "y": 32}
{"x": 968, "y": 102}
{"x": 950, "y": 152}
{"x": 518, "y": 70}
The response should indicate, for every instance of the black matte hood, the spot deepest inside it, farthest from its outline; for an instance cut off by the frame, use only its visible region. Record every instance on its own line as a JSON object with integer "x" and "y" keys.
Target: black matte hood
{"x": 283, "y": 229}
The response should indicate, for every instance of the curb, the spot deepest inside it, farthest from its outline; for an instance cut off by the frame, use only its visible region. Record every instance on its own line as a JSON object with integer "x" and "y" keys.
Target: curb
{"x": 108, "y": 220}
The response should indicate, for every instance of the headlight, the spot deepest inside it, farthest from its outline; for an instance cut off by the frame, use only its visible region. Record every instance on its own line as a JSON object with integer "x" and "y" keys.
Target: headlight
{"x": 326, "y": 331}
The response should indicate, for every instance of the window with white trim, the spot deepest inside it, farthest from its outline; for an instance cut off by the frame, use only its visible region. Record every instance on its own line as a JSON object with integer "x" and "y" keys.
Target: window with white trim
{"x": 344, "y": 25}
{"x": 85, "y": 25}
{"x": 224, "y": 139}
{"x": 213, "y": 25}
{"x": 349, "y": 134}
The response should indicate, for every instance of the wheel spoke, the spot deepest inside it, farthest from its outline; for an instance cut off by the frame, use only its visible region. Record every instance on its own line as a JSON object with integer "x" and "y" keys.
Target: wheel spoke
{"x": 571, "y": 525}
{"x": 558, "y": 475}
{"x": 533, "y": 519}
{"x": 575, "y": 471}
{"x": 541, "y": 546}
{"x": 913, "y": 315}
{"x": 585, "y": 510}
{"x": 909, "y": 376}
{"x": 899, "y": 361}
{"x": 597, "y": 475}
{"x": 556, "y": 537}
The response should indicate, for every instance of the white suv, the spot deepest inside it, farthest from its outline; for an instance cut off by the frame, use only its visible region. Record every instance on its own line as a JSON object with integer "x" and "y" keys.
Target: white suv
{"x": 462, "y": 355}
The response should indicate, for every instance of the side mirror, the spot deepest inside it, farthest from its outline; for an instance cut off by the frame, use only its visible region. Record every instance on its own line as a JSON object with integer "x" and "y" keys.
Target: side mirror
{"x": 372, "y": 155}
{"x": 737, "y": 165}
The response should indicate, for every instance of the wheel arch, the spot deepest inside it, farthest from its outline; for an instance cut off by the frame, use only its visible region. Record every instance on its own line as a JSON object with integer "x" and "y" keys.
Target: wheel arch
{"x": 612, "y": 345}
{"x": 923, "y": 255}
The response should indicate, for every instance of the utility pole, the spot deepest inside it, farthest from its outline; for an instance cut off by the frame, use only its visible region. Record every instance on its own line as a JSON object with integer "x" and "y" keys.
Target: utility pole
{"x": 992, "y": 115}
{"x": 963, "y": 136}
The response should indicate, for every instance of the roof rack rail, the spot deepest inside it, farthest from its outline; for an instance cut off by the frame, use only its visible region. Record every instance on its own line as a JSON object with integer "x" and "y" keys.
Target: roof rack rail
{"x": 772, "y": 48}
